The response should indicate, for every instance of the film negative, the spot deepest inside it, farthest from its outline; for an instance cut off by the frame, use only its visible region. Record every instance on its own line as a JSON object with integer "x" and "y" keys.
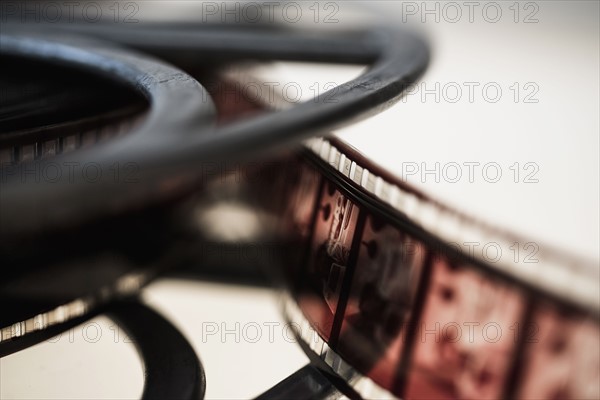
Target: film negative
{"x": 382, "y": 297}
{"x": 393, "y": 306}
{"x": 379, "y": 293}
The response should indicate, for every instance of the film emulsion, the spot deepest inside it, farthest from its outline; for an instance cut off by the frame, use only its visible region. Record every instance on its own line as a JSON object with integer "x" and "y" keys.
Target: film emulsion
{"x": 381, "y": 299}
{"x": 465, "y": 337}
{"x": 561, "y": 356}
{"x": 330, "y": 249}
{"x": 422, "y": 321}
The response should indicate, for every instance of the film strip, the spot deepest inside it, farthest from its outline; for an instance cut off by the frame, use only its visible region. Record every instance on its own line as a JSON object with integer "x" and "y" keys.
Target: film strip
{"x": 393, "y": 310}
{"x": 377, "y": 291}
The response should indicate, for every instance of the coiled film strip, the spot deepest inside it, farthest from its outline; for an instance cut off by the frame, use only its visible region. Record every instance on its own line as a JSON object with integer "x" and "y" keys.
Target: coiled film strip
{"x": 394, "y": 310}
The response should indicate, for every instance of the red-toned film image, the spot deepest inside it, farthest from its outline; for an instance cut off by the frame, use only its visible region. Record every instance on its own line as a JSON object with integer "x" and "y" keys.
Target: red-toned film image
{"x": 466, "y": 337}
{"x": 380, "y": 302}
{"x": 561, "y": 357}
{"x": 330, "y": 249}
